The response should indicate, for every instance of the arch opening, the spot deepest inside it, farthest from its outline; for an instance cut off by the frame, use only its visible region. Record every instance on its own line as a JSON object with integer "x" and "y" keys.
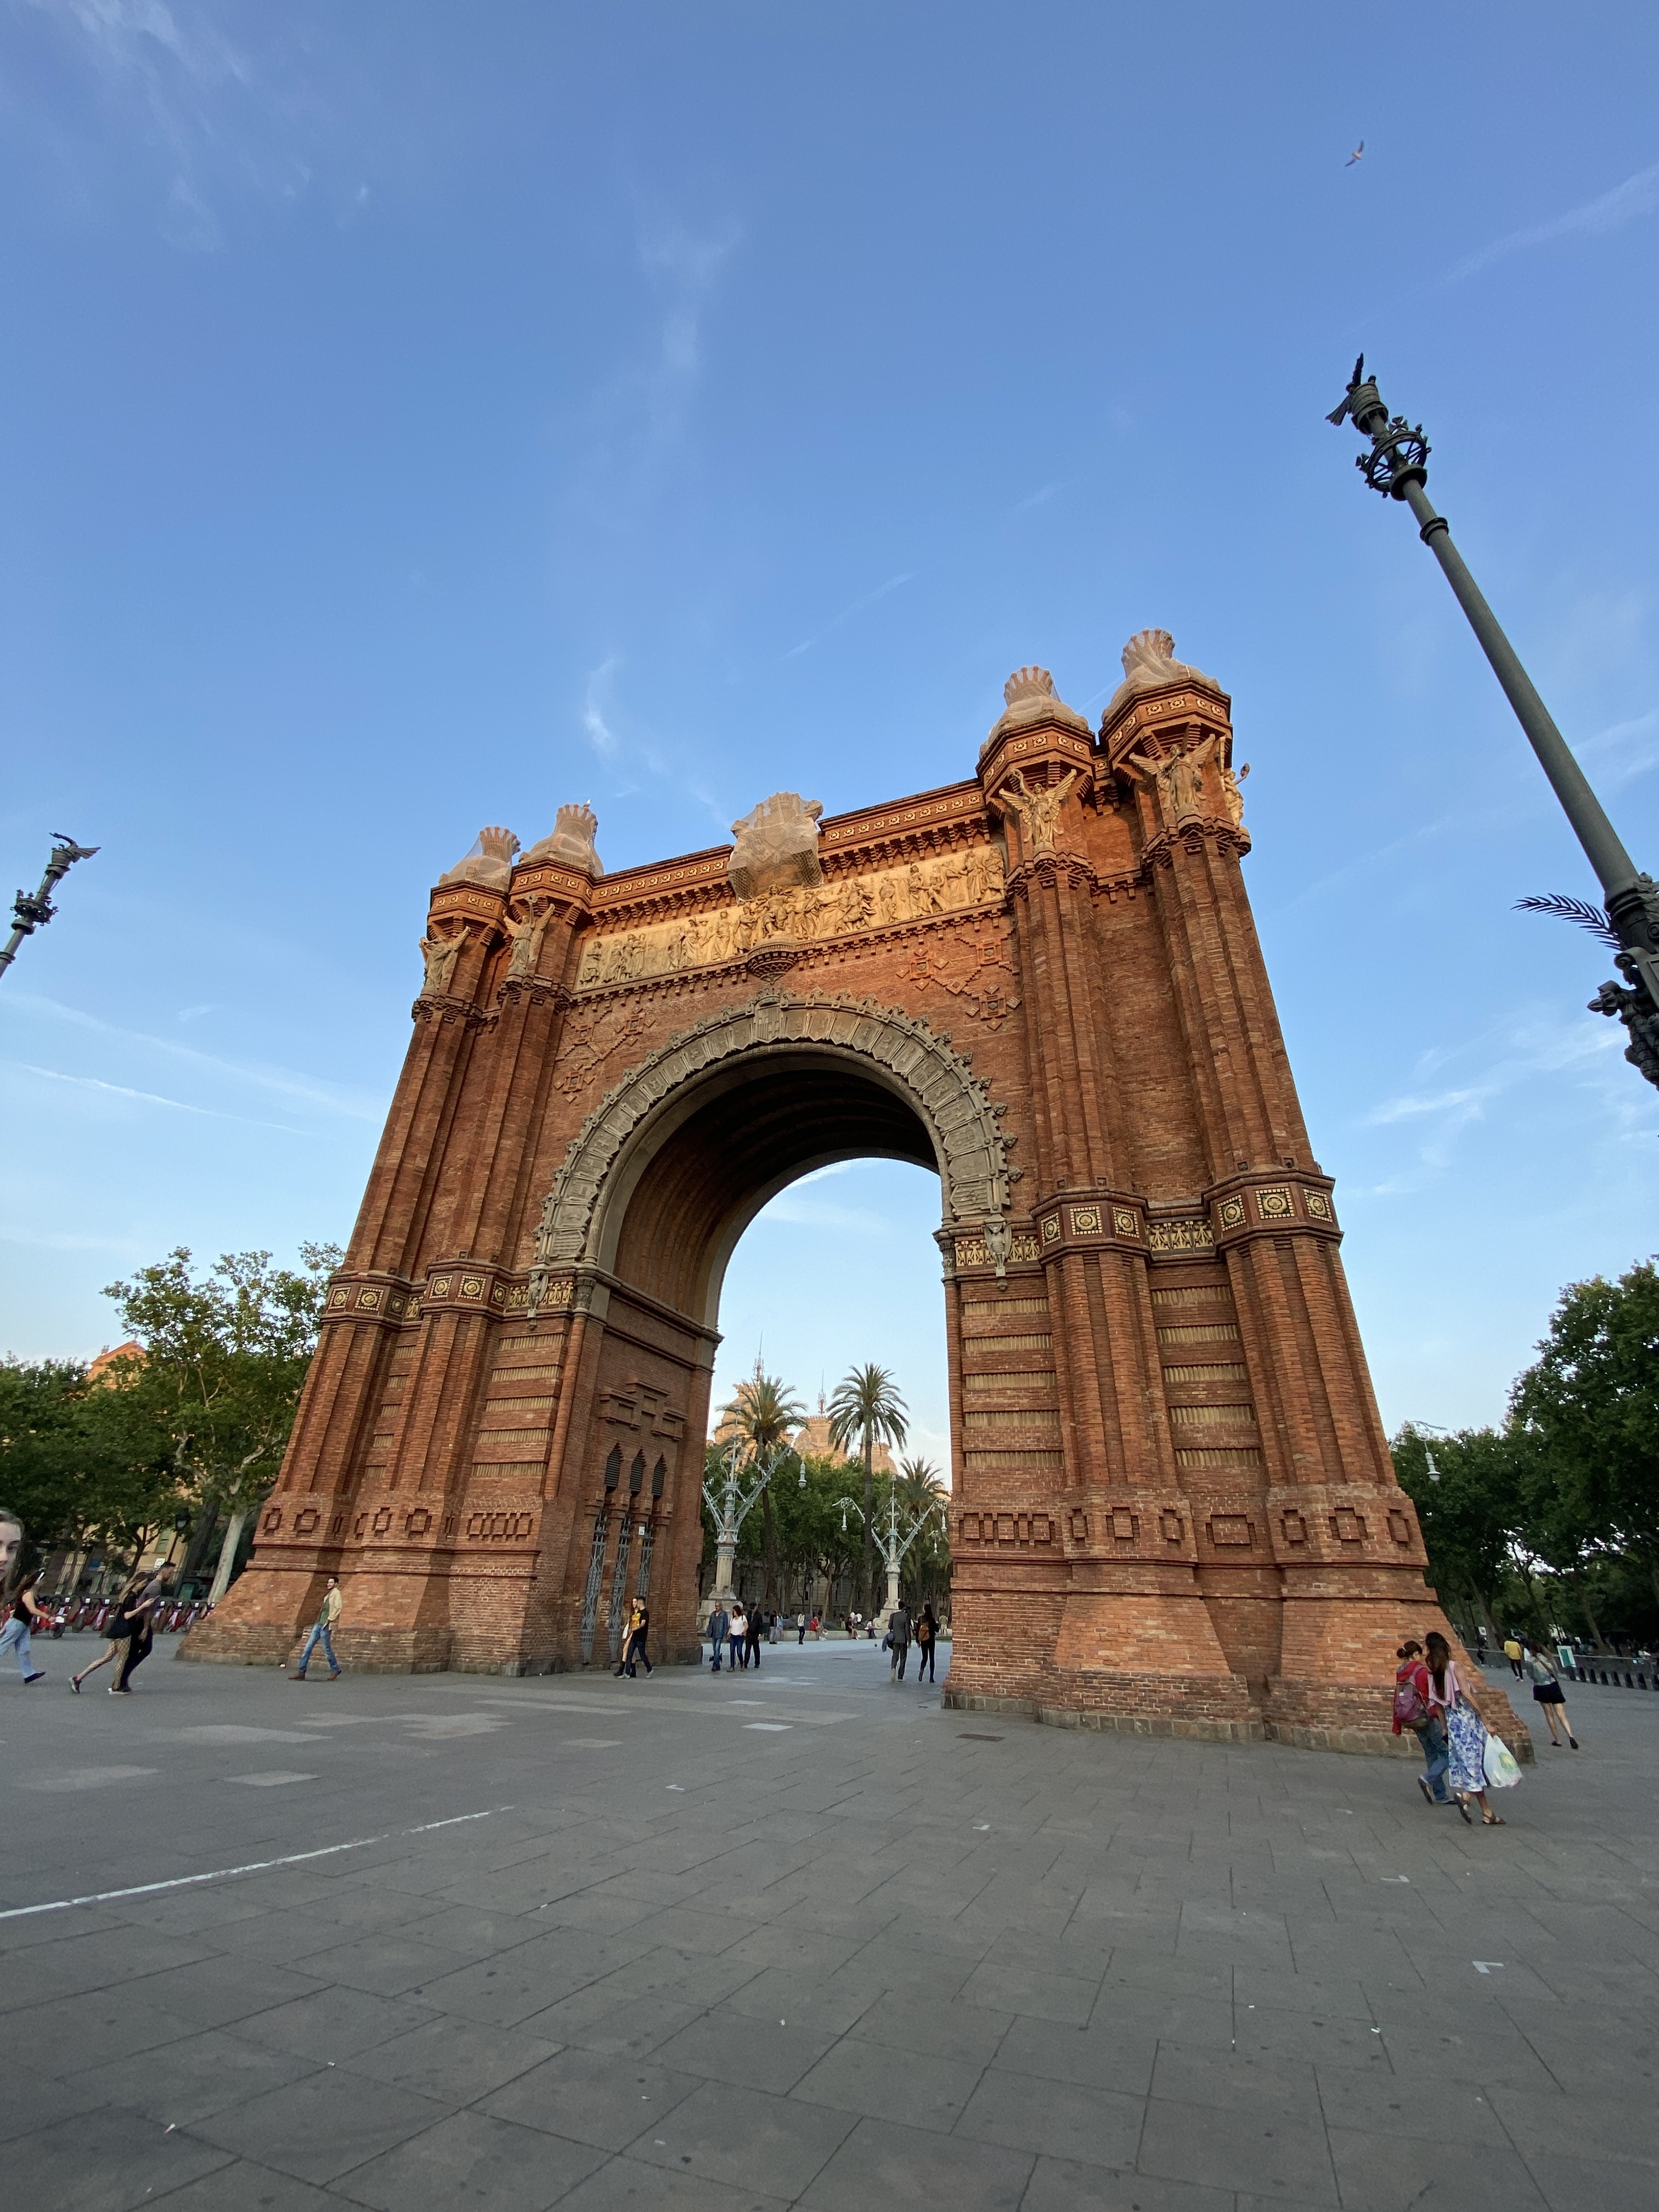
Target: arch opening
{"x": 745, "y": 1136}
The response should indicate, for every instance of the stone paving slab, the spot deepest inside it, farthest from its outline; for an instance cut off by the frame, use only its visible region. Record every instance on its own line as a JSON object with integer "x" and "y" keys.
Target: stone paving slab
{"x": 601, "y": 1945}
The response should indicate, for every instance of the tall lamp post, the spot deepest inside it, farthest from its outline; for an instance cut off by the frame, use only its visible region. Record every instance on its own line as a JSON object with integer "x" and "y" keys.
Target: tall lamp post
{"x": 1397, "y": 466}
{"x": 730, "y": 1505}
{"x": 34, "y": 911}
{"x": 888, "y": 1542}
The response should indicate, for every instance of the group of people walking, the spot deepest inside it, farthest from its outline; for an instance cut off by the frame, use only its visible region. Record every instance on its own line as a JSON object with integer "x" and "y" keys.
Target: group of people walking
{"x": 902, "y": 1633}
{"x": 737, "y": 1635}
{"x": 1462, "y": 1758}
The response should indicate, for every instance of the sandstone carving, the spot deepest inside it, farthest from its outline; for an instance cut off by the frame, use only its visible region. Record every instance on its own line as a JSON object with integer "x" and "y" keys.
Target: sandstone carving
{"x": 527, "y": 935}
{"x": 490, "y": 863}
{"x": 1031, "y": 698}
{"x": 1037, "y": 806}
{"x": 1178, "y": 778}
{"x": 777, "y": 847}
{"x": 881, "y": 899}
{"x": 1149, "y": 663}
{"x": 571, "y": 841}
{"x": 440, "y": 954}
{"x": 1232, "y": 796}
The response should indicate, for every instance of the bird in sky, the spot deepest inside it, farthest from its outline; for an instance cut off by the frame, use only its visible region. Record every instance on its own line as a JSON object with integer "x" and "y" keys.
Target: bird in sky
{"x": 1357, "y": 153}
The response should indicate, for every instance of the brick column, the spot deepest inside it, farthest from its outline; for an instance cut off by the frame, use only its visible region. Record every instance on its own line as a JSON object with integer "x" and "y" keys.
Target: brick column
{"x": 306, "y": 1526}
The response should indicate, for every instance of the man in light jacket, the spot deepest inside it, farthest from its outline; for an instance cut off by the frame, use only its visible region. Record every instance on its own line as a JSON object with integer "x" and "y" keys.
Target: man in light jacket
{"x": 322, "y": 1634}
{"x": 719, "y": 1621}
{"x": 898, "y": 1643}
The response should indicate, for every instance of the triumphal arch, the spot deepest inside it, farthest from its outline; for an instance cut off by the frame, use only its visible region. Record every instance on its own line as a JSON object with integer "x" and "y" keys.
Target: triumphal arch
{"x": 1173, "y": 1506}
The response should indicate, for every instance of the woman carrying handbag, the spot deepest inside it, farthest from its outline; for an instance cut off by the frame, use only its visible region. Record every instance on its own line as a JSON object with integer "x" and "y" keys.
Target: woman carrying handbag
{"x": 1472, "y": 1754}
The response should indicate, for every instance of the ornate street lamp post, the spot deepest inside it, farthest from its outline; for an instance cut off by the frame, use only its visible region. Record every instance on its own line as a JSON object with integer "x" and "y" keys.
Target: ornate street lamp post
{"x": 33, "y": 911}
{"x": 1397, "y": 466}
{"x": 731, "y": 1505}
{"x": 887, "y": 1540}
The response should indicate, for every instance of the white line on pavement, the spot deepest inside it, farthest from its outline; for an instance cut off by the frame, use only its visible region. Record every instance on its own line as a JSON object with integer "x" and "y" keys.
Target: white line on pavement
{"x": 257, "y": 1866}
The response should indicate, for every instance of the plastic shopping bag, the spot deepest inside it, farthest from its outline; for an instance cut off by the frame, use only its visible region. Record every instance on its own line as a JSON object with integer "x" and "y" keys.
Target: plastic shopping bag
{"x": 1502, "y": 1773}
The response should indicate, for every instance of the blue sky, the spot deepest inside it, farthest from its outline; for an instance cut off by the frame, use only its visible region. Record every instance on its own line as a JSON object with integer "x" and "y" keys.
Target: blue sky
{"x": 414, "y": 417}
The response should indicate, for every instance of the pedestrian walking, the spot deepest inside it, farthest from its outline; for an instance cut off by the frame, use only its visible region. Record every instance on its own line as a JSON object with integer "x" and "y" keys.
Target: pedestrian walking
{"x": 926, "y": 1643}
{"x": 1414, "y": 1709}
{"x": 22, "y": 1618}
{"x": 800, "y": 1629}
{"x": 119, "y": 1629}
{"x": 1512, "y": 1653}
{"x": 898, "y": 1641}
{"x": 737, "y": 1638}
{"x": 753, "y": 1637}
{"x": 1547, "y": 1694}
{"x": 322, "y": 1633}
{"x": 719, "y": 1622}
{"x": 771, "y": 1628}
{"x": 633, "y": 1651}
{"x": 1466, "y": 1733}
{"x": 142, "y": 1641}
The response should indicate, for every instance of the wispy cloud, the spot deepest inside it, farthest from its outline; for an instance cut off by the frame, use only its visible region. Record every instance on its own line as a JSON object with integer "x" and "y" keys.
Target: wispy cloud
{"x": 1038, "y": 498}
{"x": 1624, "y": 751}
{"x": 281, "y": 1082}
{"x": 600, "y": 735}
{"x": 846, "y": 613}
{"x": 1637, "y": 195}
{"x": 146, "y": 1097}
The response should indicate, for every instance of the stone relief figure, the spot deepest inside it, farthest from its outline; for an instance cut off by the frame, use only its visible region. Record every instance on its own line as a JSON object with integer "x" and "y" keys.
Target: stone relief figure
{"x": 777, "y": 845}
{"x": 571, "y": 841}
{"x": 1187, "y": 780}
{"x": 1232, "y": 796}
{"x": 1038, "y": 808}
{"x": 440, "y": 954}
{"x": 802, "y": 913}
{"x": 998, "y": 1242}
{"x": 527, "y": 935}
{"x": 490, "y": 863}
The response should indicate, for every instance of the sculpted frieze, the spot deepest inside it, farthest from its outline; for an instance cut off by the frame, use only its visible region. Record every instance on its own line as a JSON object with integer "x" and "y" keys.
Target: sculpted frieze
{"x": 882, "y": 898}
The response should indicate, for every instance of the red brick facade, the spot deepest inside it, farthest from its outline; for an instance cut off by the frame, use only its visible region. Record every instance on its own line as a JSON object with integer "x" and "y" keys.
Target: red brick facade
{"x": 1173, "y": 1504}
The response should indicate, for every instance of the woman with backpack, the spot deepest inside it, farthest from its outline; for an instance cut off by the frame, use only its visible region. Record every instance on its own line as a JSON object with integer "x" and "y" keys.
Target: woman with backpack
{"x": 1413, "y": 1709}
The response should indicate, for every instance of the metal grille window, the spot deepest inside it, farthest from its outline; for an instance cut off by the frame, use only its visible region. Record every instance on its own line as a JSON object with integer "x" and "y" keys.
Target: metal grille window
{"x": 619, "y": 1590}
{"x": 595, "y": 1577}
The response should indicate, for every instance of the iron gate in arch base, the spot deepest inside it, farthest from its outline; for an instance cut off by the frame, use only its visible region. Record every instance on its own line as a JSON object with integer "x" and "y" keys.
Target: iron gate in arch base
{"x": 1173, "y": 1507}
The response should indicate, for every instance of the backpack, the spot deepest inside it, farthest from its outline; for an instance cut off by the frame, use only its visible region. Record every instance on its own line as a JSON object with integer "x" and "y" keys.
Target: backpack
{"x": 1411, "y": 1707}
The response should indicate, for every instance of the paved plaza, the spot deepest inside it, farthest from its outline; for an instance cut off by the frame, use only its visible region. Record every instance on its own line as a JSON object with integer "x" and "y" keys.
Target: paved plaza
{"x": 801, "y": 1939}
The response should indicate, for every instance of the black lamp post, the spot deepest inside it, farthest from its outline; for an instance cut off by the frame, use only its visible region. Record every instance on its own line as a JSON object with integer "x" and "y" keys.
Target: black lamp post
{"x": 1397, "y": 466}
{"x": 33, "y": 911}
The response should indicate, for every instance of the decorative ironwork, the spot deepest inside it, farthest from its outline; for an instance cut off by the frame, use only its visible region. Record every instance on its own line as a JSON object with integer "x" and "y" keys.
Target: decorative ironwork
{"x": 595, "y": 1579}
{"x": 619, "y": 1588}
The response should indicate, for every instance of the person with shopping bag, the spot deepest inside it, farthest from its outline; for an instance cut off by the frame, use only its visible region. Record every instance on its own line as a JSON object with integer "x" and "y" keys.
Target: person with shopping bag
{"x": 1478, "y": 1760}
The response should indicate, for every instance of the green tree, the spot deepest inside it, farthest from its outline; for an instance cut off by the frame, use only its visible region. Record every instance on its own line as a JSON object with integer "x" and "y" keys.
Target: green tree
{"x": 868, "y": 1409}
{"x": 1589, "y": 1411}
{"x": 1472, "y": 1494}
{"x": 224, "y": 1359}
{"x": 82, "y": 1463}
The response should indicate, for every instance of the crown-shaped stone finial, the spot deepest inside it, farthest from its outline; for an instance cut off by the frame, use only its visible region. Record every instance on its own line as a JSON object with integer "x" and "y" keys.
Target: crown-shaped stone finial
{"x": 490, "y": 862}
{"x": 1028, "y": 683}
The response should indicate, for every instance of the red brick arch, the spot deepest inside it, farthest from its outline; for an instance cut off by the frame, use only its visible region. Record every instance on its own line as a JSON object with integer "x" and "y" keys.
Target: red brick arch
{"x": 1173, "y": 1503}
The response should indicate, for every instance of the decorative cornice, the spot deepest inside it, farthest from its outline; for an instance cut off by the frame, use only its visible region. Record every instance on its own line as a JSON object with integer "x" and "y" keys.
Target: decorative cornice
{"x": 536, "y": 990}
{"x": 446, "y": 1011}
{"x": 1158, "y": 852}
{"x": 1270, "y": 1202}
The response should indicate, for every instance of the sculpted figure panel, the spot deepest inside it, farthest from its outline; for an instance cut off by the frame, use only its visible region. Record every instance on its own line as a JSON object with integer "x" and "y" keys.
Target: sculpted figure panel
{"x": 801, "y": 914}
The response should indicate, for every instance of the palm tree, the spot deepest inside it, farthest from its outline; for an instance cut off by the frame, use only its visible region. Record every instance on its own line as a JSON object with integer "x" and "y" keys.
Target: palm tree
{"x": 763, "y": 1412}
{"x": 920, "y": 1486}
{"x": 866, "y": 1406}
